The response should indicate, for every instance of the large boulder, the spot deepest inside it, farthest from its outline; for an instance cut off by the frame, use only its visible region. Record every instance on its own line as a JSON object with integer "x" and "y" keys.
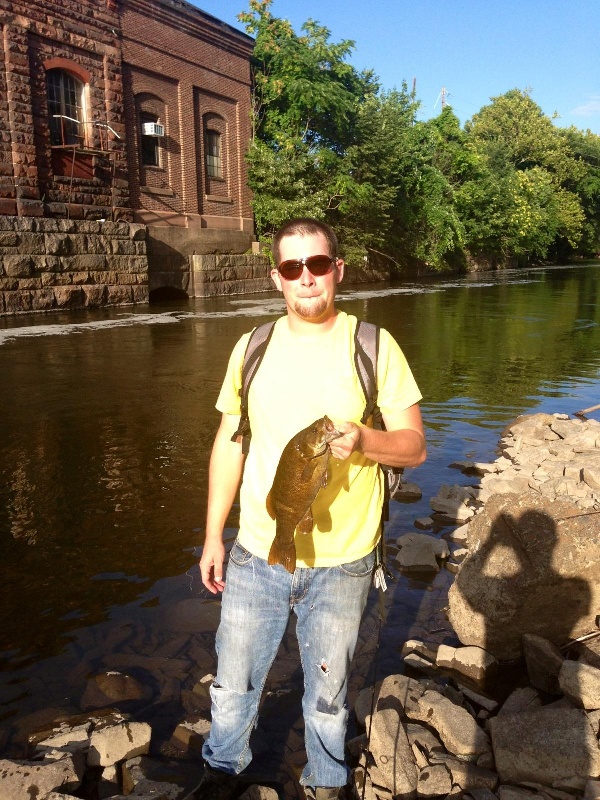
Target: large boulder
{"x": 534, "y": 567}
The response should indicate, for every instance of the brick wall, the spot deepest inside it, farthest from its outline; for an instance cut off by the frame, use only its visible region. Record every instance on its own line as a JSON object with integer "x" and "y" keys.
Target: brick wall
{"x": 81, "y": 37}
{"x": 191, "y": 71}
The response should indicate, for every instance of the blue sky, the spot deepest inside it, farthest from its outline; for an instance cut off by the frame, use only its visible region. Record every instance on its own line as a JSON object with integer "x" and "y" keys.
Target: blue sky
{"x": 475, "y": 49}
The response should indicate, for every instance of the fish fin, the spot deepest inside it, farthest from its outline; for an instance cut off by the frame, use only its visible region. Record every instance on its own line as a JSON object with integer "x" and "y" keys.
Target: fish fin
{"x": 307, "y": 472}
{"x": 325, "y": 479}
{"x": 306, "y": 523}
{"x": 270, "y": 507}
{"x": 283, "y": 554}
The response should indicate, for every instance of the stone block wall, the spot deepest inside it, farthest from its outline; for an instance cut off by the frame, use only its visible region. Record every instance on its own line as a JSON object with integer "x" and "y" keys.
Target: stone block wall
{"x": 213, "y": 275}
{"x": 51, "y": 264}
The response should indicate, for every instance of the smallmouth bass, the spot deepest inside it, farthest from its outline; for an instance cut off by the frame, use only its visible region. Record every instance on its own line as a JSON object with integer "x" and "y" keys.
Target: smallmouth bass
{"x": 301, "y": 472}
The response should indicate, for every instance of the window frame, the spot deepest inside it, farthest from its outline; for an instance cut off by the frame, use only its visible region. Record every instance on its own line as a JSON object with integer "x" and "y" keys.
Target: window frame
{"x": 66, "y": 98}
{"x": 214, "y": 161}
{"x": 147, "y": 141}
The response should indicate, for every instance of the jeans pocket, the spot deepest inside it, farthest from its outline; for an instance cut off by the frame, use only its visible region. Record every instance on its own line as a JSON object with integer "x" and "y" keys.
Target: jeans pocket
{"x": 239, "y": 555}
{"x": 361, "y": 567}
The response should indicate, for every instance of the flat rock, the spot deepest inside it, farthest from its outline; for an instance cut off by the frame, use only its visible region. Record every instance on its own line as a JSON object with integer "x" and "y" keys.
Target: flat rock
{"x": 544, "y": 746}
{"x": 581, "y": 684}
{"x": 459, "y": 732}
{"x": 109, "y": 745}
{"x": 33, "y": 779}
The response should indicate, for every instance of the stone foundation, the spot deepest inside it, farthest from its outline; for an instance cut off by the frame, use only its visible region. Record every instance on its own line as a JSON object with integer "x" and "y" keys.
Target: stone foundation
{"x": 213, "y": 275}
{"x": 51, "y": 264}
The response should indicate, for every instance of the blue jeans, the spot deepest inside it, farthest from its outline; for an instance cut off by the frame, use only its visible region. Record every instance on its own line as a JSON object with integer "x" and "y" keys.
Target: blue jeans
{"x": 258, "y": 598}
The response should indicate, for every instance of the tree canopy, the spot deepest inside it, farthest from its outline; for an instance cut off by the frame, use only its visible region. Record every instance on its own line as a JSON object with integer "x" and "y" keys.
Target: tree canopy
{"x": 508, "y": 188}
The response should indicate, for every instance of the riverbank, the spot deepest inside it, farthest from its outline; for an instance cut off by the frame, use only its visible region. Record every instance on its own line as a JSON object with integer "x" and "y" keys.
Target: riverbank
{"x": 148, "y": 709}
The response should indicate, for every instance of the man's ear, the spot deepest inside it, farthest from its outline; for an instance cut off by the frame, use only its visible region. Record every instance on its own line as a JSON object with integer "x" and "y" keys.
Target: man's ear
{"x": 276, "y": 278}
{"x": 340, "y": 267}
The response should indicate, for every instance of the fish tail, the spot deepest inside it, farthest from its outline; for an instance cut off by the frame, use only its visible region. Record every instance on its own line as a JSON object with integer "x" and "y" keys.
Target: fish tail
{"x": 284, "y": 554}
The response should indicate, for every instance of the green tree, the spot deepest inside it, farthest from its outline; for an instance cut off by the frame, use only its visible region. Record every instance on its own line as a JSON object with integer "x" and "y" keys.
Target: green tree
{"x": 306, "y": 99}
{"x": 519, "y": 203}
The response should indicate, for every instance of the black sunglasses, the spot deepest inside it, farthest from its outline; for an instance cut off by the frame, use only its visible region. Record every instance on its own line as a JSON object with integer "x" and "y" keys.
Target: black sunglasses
{"x": 316, "y": 265}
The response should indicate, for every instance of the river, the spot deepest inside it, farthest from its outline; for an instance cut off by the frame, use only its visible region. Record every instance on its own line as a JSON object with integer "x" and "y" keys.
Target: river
{"x": 107, "y": 418}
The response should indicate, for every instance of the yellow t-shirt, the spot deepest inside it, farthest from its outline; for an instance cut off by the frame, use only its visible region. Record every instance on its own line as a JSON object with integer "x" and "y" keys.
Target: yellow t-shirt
{"x": 300, "y": 380}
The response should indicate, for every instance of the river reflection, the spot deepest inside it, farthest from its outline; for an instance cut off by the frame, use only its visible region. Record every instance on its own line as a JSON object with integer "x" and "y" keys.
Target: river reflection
{"x": 107, "y": 418}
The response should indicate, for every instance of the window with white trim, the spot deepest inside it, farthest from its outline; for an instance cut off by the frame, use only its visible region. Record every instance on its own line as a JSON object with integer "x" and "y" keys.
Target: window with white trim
{"x": 66, "y": 108}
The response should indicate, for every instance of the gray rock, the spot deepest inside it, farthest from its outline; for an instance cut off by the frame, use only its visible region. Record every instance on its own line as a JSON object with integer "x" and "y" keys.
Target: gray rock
{"x": 408, "y": 492}
{"x": 581, "y": 684}
{"x": 259, "y": 793}
{"x": 22, "y": 780}
{"x": 110, "y": 688}
{"x": 434, "y": 781}
{"x": 416, "y": 553}
{"x": 534, "y": 567}
{"x": 592, "y": 790}
{"x": 190, "y": 734}
{"x": 392, "y": 753}
{"x": 544, "y": 746}
{"x": 544, "y": 661}
{"x": 469, "y": 776}
{"x": 523, "y": 699}
{"x": 459, "y": 732}
{"x": 452, "y": 503}
{"x": 109, "y": 745}
{"x": 516, "y": 793}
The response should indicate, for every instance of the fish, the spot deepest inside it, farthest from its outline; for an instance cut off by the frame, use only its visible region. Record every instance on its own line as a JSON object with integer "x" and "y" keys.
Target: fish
{"x": 301, "y": 472}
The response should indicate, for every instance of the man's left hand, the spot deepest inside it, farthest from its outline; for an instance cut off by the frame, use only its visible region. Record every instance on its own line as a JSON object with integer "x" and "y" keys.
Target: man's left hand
{"x": 346, "y": 444}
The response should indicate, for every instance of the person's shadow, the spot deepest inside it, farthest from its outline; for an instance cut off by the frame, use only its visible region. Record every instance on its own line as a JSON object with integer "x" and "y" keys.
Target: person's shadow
{"x": 511, "y": 583}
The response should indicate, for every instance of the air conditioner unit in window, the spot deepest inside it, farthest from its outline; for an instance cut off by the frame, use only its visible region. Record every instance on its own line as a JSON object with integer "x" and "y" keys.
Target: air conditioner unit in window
{"x": 153, "y": 129}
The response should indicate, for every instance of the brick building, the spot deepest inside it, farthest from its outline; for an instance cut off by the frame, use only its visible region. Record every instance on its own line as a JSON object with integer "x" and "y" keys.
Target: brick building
{"x": 189, "y": 74}
{"x": 61, "y": 104}
{"x": 124, "y": 109}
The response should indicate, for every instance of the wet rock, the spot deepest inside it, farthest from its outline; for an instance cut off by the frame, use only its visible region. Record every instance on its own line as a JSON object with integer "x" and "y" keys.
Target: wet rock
{"x": 416, "y": 554}
{"x": 453, "y": 503}
{"x": 424, "y": 523}
{"x": 111, "y": 688}
{"x": 408, "y": 493}
{"x": 534, "y": 567}
{"x": 419, "y": 552}
{"x": 551, "y": 744}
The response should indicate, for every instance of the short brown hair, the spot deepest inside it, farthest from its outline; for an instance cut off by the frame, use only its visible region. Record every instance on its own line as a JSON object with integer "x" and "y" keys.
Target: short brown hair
{"x": 305, "y": 226}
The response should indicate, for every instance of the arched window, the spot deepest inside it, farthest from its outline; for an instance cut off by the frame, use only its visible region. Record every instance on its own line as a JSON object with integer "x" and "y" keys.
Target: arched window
{"x": 149, "y": 141}
{"x": 65, "y": 107}
{"x": 214, "y": 159}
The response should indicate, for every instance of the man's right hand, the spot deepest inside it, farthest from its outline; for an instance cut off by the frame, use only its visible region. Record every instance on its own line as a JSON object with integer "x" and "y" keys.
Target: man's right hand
{"x": 211, "y": 567}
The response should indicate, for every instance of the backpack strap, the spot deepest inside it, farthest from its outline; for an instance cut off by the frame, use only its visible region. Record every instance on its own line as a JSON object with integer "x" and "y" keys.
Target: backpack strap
{"x": 255, "y": 350}
{"x": 366, "y": 350}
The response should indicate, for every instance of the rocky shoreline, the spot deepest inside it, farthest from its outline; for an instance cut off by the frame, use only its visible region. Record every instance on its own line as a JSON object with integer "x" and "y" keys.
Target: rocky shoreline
{"x": 524, "y": 546}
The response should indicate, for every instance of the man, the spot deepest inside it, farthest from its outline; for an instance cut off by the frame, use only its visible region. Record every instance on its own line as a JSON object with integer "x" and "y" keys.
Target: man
{"x": 307, "y": 371}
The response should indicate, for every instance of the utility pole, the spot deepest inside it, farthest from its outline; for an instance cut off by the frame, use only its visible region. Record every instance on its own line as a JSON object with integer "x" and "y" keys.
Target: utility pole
{"x": 443, "y": 94}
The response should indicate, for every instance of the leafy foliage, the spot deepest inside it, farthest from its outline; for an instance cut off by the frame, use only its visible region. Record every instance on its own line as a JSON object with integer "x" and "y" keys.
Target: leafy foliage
{"x": 329, "y": 143}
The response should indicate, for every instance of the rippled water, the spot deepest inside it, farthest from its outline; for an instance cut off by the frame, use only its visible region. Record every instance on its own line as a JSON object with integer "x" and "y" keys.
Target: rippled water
{"x": 107, "y": 418}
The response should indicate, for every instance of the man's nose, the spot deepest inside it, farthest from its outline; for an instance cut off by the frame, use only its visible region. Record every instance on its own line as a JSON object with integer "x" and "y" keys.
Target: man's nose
{"x": 307, "y": 278}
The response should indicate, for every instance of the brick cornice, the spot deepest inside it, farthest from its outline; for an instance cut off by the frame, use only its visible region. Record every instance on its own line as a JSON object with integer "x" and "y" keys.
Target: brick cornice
{"x": 186, "y": 18}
